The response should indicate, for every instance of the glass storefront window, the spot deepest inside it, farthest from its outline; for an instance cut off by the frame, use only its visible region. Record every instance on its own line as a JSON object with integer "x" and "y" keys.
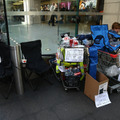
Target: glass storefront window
{"x": 34, "y": 19}
{"x": 3, "y": 31}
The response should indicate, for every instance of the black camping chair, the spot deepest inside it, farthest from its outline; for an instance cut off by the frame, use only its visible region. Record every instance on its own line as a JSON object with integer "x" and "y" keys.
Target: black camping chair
{"x": 35, "y": 63}
{"x": 6, "y": 70}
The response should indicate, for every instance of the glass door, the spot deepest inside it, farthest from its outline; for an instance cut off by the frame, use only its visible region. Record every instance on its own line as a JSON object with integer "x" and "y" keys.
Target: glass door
{"x": 3, "y": 24}
{"x": 28, "y": 20}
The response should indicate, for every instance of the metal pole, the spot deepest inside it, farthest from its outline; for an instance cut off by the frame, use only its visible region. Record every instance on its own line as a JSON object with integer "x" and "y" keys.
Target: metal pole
{"x": 58, "y": 18}
{"x": 6, "y": 21}
{"x": 16, "y": 59}
{"x": 77, "y": 14}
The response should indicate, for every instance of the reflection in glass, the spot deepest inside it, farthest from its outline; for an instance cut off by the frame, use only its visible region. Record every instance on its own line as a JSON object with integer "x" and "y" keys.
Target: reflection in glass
{"x": 87, "y": 5}
{"x": 3, "y": 34}
{"x": 33, "y": 19}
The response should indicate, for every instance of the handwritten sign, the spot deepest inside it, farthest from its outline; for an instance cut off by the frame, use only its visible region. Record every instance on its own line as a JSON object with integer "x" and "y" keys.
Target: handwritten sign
{"x": 102, "y": 99}
{"x": 74, "y": 54}
{"x": 103, "y": 87}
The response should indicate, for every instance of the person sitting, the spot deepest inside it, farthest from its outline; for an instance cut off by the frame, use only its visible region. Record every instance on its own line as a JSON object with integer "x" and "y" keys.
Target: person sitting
{"x": 115, "y": 29}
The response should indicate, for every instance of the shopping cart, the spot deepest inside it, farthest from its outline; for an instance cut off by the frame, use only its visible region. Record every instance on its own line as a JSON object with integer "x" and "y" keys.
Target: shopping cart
{"x": 105, "y": 61}
{"x": 74, "y": 65}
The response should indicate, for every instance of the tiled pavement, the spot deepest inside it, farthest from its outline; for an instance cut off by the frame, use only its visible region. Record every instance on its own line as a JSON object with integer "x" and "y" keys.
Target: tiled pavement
{"x": 52, "y": 102}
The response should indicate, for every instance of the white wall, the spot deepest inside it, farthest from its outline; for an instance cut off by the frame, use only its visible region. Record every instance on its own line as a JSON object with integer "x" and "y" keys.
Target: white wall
{"x": 112, "y": 9}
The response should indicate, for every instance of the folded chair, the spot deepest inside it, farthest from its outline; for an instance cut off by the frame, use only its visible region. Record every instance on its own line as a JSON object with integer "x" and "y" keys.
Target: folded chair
{"x": 6, "y": 70}
{"x": 101, "y": 40}
{"x": 35, "y": 63}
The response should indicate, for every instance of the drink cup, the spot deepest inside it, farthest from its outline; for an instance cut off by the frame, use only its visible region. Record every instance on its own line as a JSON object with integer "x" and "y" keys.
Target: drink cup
{"x": 71, "y": 42}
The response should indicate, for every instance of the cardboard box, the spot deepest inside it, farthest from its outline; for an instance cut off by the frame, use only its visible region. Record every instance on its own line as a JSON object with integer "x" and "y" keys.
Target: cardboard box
{"x": 94, "y": 87}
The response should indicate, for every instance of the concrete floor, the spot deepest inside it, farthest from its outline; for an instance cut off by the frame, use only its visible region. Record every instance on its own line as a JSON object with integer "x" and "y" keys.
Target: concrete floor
{"x": 52, "y": 102}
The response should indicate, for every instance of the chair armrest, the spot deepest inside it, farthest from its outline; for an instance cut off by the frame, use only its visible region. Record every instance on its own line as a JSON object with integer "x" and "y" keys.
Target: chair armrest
{"x": 114, "y": 34}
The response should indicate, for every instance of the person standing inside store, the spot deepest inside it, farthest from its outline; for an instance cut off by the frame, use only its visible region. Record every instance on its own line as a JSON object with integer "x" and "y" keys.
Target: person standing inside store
{"x": 115, "y": 29}
{"x": 52, "y": 18}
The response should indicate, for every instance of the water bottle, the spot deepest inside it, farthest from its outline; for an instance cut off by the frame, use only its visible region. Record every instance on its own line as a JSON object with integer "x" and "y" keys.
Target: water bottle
{"x": 74, "y": 70}
{"x": 71, "y": 72}
{"x": 66, "y": 72}
{"x": 77, "y": 71}
{"x": 78, "y": 68}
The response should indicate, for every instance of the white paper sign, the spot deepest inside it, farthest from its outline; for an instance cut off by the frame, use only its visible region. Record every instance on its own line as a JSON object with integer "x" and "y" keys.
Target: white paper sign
{"x": 119, "y": 75}
{"x": 61, "y": 68}
{"x": 74, "y": 54}
{"x": 103, "y": 87}
{"x": 102, "y": 99}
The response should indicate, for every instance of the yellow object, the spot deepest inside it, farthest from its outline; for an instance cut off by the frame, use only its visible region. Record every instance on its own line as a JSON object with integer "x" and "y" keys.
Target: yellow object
{"x": 58, "y": 64}
{"x": 68, "y": 64}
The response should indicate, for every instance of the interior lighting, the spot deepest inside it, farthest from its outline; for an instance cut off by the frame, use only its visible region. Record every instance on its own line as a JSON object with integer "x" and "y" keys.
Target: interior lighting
{"x": 48, "y": 49}
{"x": 21, "y": 1}
{"x": 17, "y": 3}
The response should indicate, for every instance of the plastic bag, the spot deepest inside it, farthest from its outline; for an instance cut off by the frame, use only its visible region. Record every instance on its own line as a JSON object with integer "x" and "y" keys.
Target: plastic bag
{"x": 66, "y": 37}
{"x": 59, "y": 55}
{"x": 112, "y": 71}
{"x": 86, "y": 42}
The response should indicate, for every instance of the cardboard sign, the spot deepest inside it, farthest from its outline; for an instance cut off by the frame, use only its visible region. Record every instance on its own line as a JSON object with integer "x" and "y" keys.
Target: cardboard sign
{"x": 103, "y": 87}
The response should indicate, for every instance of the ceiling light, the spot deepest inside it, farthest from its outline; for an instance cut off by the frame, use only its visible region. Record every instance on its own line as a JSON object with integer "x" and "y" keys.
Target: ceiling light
{"x": 48, "y": 49}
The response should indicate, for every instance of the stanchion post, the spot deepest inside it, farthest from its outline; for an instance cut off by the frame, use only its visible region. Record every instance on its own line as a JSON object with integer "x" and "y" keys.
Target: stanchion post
{"x": 16, "y": 59}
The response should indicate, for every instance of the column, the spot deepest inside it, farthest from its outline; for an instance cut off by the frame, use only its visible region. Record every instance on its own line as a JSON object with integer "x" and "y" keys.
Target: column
{"x": 26, "y": 4}
{"x": 112, "y": 9}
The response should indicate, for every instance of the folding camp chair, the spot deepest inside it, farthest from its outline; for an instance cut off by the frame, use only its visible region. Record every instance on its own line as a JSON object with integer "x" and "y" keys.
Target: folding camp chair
{"x": 101, "y": 40}
{"x": 35, "y": 63}
{"x": 6, "y": 70}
